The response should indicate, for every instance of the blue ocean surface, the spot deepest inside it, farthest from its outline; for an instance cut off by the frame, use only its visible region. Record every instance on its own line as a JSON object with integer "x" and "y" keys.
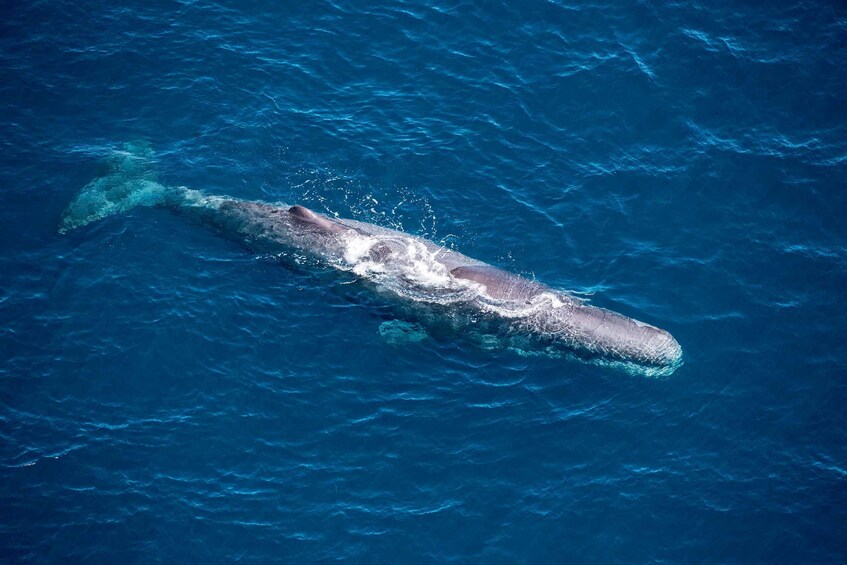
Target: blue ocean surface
{"x": 167, "y": 395}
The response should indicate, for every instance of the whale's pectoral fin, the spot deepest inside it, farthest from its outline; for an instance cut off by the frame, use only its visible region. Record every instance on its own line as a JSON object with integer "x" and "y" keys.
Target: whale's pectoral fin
{"x": 398, "y": 332}
{"x": 314, "y": 220}
{"x": 499, "y": 284}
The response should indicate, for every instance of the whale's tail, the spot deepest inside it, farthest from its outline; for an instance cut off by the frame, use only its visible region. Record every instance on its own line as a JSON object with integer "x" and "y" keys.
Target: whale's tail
{"x": 130, "y": 182}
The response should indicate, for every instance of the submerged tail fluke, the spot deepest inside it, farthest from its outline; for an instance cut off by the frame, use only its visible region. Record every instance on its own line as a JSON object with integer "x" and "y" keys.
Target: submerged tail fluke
{"x": 130, "y": 182}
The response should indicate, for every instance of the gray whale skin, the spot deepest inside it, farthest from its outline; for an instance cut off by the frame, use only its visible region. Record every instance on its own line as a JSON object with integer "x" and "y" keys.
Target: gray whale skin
{"x": 410, "y": 267}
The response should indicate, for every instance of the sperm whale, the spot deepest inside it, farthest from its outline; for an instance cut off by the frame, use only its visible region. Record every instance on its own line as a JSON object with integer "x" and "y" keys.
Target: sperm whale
{"x": 408, "y": 266}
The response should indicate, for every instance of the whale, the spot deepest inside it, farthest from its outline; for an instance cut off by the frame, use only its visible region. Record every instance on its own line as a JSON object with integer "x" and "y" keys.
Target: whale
{"x": 439, "y": 281}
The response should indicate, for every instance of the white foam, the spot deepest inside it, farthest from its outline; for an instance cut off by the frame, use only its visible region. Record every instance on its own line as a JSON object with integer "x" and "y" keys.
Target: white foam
{"x": 510, "y": 309}
{"x": 410, "y": 270}
{"x": 424, "y": 268}
{"x": 357, "y": 247}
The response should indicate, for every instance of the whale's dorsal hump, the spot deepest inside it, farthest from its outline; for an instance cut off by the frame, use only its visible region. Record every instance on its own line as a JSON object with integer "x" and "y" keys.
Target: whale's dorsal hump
{"x": 322, "y": 223}
{"x": 498, "y": 283}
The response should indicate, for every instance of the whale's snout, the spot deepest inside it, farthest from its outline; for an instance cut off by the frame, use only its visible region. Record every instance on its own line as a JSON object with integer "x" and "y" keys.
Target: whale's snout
{"x": 664, "y": 349}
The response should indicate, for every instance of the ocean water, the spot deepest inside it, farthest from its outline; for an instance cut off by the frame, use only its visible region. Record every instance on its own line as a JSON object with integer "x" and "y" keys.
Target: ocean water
{"x": 168, "y": 396}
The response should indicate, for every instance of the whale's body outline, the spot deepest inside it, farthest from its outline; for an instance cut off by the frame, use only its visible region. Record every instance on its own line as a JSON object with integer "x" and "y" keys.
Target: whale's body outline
{"x": 389, "y": 258}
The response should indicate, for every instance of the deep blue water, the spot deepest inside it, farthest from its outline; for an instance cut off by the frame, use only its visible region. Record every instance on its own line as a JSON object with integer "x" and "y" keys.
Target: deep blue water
{"x": 167, "y": 396}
